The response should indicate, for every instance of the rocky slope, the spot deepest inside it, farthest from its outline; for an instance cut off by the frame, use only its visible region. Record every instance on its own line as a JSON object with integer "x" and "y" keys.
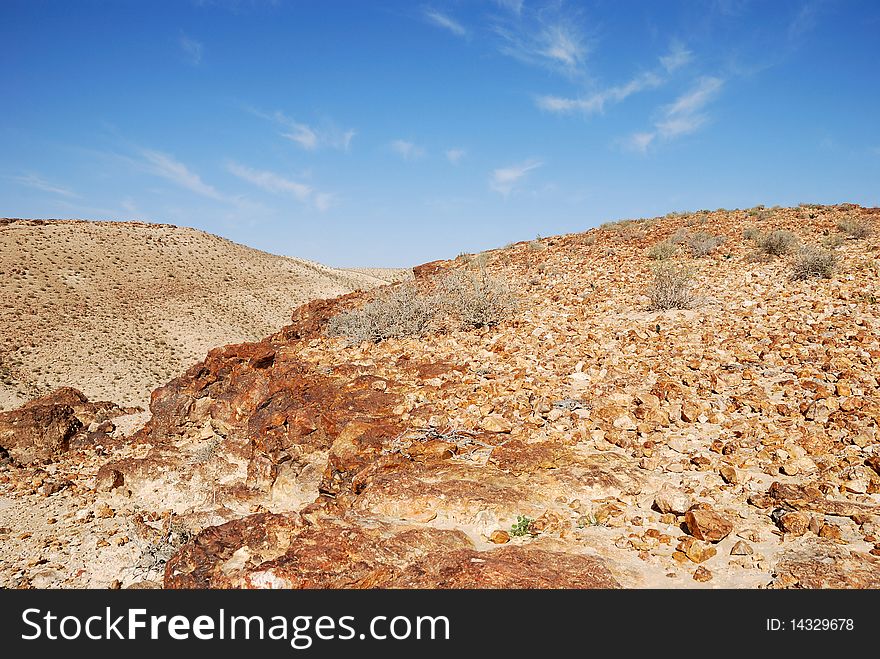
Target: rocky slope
{"x": 117, "y": 308}
{"x": 585, "y": 441}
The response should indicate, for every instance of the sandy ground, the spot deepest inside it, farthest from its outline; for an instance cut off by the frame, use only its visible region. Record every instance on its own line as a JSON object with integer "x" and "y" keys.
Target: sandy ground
{"x": 116, "y": 309}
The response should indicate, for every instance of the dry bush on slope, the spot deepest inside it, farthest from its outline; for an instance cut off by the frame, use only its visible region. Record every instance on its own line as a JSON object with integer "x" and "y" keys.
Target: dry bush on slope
{"x": 394, "y": 313}
{"x": 474, "y": 300}
{"x": 856, "y": 228}
{"x": 463, "y": 300}
{"x": 777, "y": 242}
{"x": 702, "y": 243}
{"x": 661, "y": 251}
{"x": 811, "y": 262}
{"x": 671, "y": 289}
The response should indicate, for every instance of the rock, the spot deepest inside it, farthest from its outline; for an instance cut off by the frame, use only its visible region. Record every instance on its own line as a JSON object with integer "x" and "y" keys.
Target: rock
{"x": 44, "y": 428}
{"x": 496, "y": 423}
{"x": 288, "y": 551}
{"x": 729, "y": 474}
{"x": 796, "y": 523}
{"x": 825, "y": 564}
{"x": 696, "y": 550}
{"x": 830, "y": 532}
{"x": 701, "y": 574}
{"x": 672, "y": 500}
{"x": 108, "y": 479}
{"x": 708, "y": 525}
{"x": 741, "y": 549}
{"x": 499, "y": 537}
{"x": 790, "y": 468}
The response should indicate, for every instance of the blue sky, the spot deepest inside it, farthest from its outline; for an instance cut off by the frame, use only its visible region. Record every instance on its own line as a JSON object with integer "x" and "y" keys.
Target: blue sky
{"x": 392, "y": 133}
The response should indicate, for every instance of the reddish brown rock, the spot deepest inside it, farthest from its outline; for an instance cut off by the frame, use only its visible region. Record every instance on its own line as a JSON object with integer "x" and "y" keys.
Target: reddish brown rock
{"x": 696, "y": 550}
{"x": 499, "y": 537}
{"x": 289, "y": 551}
{"x": 44, "y": 428}
{"x": 702, "y": 575}
{"x": 824, "y": 564}
{"x": 708, "y": 525}
{"x": 509, "y": 567}
{"x": 796, "y": 523}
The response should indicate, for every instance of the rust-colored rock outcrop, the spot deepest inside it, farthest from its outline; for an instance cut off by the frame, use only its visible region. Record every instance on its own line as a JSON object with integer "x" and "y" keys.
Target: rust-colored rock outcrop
{"x": 44, "y": 428}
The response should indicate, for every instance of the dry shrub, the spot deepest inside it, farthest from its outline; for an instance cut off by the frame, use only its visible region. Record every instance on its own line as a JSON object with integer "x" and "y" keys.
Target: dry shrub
{"x": 855, "y": 227}
{"x": 394, "y": 313}
{"x": 471, "y": 300}
{"x": 811, "y": 262}
{"x": 777, "y": 243}
{"x": 680, "y": 236}
{"x": 702, "y": 243}
{"x": 671, "y": 289}
{"x": 661, "y": 251}
{"x": 463, "y": 300}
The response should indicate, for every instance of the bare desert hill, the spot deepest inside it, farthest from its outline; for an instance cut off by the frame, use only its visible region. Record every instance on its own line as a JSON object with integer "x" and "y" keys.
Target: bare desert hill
{"x": 688, "y": 401}
{"x": 117, "y": 308}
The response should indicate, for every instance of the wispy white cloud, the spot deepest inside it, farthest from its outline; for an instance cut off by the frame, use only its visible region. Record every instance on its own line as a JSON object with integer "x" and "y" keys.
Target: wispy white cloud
{"x": 455, "y": 155}
{"x": 687, "y": 107}
{"x": 303, "y": 135}
{"x": 805, "y": 19}
{"x": 504, "y": 179}
{"x": 307, "y": 136}
{"x": 407, "y": 150}
{"x": 270, "y": 181}
{"x": 640, "y": 141}
{"x": 193, "y": 50}
{"x": 277, "y": 184}
{"x": 32, "y": 180}
{"x": 537, "y": 38}
{"x": 597, "y": 101}
{"x": 683, "y": 116}
{"x": 165, "y": 166}
{"x": 516, "y": 6}
{"x": 677, "y": 57}
{"x": 447, "y": 23}
{"x": 323, "y": 200}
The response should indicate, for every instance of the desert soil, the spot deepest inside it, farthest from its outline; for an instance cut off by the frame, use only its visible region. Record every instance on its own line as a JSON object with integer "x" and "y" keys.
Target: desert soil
{"x": 585, "y": 440}
{"x": 116, "y": 309}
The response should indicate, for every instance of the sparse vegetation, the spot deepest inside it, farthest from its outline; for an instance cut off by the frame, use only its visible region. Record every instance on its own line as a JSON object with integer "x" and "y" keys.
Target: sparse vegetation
{"x": 777, "y": 243}
{"x": 661, "y": 251}
{"x": 856, "y": 228}
{"x": 811, "y": 262}
{"x": 679, "y": 237}
{"x": 671, "y": 288}
{"x": 521, "y": 527}
{"x": 463, "y": 300}
{"x": 702, "y": 243}
{"x": 394, "y": 313}
{"x": 474, "y": 300}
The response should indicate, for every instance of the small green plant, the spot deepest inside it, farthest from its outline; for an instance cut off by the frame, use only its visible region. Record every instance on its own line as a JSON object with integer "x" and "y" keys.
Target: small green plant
{"x": 521, "y": 527}
{"x": 588, "y": 520}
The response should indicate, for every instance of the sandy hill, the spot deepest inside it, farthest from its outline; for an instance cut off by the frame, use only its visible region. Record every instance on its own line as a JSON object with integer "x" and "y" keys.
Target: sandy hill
{"x": 688, "y": 401}
{"x": 117, "y": 308}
